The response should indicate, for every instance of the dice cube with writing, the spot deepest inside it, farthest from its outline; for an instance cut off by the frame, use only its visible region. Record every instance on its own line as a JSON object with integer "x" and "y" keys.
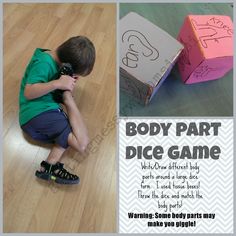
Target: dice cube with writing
{"x": 208, "y": 48}
{"x": 147, "y": 55}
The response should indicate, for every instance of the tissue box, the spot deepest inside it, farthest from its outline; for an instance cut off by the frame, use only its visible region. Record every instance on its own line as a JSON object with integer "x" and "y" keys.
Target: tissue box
{"x": 147, "y": 55}
{"x": 208, "y": 48}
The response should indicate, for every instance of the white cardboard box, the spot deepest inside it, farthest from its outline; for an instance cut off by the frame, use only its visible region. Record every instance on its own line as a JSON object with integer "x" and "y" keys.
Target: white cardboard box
{"x": 147, "y": 55}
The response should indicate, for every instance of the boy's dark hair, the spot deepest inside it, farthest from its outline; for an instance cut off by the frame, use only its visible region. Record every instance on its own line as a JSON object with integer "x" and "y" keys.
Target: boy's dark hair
{"x": 79, "y": 51}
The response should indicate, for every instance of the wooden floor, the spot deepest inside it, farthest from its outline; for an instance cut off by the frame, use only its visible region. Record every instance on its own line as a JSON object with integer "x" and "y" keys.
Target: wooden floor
{"x": 31, "y": 205}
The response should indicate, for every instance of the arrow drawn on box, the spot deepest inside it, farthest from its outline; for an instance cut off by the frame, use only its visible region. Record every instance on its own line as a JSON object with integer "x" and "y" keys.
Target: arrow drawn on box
{"x": 138, "y": 44}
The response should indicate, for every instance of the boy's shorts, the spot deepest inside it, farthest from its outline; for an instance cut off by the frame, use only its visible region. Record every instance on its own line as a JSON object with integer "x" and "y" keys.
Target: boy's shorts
{"x": 50, "y": 126}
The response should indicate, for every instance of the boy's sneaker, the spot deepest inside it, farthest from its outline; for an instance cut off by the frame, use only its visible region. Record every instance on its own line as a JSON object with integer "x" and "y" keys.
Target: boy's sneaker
{"x": 66, "y": 69}
{"x": 56, "y": 173}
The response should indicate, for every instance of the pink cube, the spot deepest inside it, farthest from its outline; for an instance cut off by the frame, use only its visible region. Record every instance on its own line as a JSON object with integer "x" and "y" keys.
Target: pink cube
{"x": 208, "y": 47}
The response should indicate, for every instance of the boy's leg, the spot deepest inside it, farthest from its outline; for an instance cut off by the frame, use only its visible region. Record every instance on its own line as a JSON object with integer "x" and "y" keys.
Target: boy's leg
{"x": 49, "y": 125}
{"x": 78, "y": 138}
{"x": 55, "y": 154}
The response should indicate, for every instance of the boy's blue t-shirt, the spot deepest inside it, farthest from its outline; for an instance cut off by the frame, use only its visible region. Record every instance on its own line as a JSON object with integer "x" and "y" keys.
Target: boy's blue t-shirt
{"x": 42, "y": 68}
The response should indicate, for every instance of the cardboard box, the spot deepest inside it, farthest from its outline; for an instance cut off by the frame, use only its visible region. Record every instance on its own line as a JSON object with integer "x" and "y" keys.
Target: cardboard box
{"x": 208, "y": 48}
{"x": 147, "y": 55}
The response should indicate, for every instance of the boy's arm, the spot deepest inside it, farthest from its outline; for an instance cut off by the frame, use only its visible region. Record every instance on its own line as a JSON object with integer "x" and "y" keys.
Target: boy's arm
{"x": 33, "y": 91}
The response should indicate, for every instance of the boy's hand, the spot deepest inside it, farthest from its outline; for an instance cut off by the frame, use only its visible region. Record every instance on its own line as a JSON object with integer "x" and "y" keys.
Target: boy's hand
{"x": 65, "y": 82}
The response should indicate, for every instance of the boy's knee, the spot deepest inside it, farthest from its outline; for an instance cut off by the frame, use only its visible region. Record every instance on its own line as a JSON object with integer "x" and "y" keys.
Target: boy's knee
{"x": 79, "y": 145}
{"x": 82, "y": 145}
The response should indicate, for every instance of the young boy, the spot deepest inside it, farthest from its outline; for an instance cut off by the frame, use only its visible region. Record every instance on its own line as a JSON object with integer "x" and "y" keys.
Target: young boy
{"x": 42, "y": 117}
